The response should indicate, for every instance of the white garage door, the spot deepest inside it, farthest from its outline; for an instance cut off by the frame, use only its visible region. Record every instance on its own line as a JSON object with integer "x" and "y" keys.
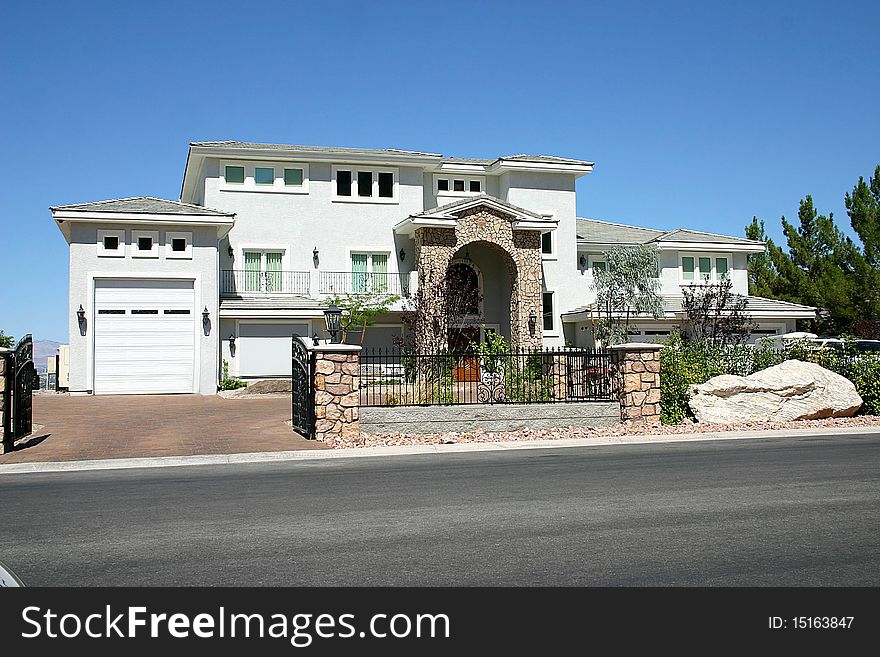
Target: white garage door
{"x": 144, "y": 336}
{"x": 264, "y": 349}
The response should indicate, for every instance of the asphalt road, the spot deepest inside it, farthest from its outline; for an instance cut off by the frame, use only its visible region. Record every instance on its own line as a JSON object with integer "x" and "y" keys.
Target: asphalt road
{"x": 793, "y": 511}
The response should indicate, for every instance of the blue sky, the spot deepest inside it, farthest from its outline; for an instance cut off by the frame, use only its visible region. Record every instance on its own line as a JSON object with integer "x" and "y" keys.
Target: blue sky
{"x": 697, "y": 114}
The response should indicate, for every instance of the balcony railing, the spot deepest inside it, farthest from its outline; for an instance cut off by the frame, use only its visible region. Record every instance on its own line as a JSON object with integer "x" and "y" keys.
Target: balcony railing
{"x": 239, "y": 282}
{"x": 351, "y": 282}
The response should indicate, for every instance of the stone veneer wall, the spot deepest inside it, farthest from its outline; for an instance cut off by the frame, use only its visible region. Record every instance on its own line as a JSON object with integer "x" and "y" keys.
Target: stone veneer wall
{"x": 337, "y": 390}
{"x": 435, "y": 248}
{"x": 636, "y": 372}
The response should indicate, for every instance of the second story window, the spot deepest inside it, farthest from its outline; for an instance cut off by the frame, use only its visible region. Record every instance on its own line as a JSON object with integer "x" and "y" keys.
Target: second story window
{"x": 264, "y": 175}
{"x": 547, "y": 243}
{"x": 457, "y": 185}
{"x": 234, "y": 174}
{"x": 365, "y": 185}
{"x": 704, "y": 268}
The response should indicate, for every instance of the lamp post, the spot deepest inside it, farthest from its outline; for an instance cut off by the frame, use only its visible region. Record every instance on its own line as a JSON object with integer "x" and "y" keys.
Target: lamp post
{"x": 533, "y": 322}
{"x": 332, "y": 317}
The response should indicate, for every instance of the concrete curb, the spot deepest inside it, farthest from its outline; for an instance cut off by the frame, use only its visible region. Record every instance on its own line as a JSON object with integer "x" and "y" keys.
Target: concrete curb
{"x": 409, "y": 450}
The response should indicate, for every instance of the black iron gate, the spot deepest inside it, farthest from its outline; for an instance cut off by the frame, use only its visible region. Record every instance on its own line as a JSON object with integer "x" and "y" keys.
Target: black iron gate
{"x": 588, "y": 373}
{"x": 302, "y": 390}
{"x": 19, "y": 417}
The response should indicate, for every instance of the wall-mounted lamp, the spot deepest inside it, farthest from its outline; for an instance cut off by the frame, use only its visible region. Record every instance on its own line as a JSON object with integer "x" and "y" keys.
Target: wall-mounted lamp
{"x": 315, "y": 340}
{"x": 232, "y": 343}
{"x": 402, "y": 255}
{"x": 81, "y": 319}
{"x": 533, "y": 323}
{"x": 315, "y": 256}
{"x": 206, "y": 321}
{"x": 583, "y": 261}
{"x": 230, "y": 251}
{"x": 332, "y": 317}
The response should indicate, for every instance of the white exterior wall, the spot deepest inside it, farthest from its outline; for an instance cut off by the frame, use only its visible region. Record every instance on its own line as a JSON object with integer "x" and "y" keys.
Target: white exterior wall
{"x": 86, "y": 266}
{"x": 552, "y": 194}
{"x": 300, "y": 222}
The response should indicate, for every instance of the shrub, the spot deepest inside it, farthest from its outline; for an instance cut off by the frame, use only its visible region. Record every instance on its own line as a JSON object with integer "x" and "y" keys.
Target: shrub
{"x": 685, "y": 364}
{"x": 230, "y": 382}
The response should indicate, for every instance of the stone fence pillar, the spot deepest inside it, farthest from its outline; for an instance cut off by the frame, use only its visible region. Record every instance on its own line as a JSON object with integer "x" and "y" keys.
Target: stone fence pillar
{"x": 636, "y": 380}
{"x": 337, "y": 390}
{"x": 559, "y": 373}
{"x": 5, "y": 391}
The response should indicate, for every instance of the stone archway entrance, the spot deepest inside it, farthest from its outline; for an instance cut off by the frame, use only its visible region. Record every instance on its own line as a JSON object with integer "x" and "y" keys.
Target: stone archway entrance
{"x": 480, "y": 226}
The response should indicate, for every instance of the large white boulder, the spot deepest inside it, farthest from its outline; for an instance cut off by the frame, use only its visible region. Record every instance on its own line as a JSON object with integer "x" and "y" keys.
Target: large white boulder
{"x": 793, "y": 390}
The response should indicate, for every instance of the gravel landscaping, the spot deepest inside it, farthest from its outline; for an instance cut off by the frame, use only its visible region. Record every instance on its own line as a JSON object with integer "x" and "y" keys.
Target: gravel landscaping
{"x": 624, "y": 429}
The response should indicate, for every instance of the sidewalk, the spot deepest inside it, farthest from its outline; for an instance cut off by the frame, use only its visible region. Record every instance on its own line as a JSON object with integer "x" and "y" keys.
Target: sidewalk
{"x": 410, "y": 450}
{"x": 139, "y": 426}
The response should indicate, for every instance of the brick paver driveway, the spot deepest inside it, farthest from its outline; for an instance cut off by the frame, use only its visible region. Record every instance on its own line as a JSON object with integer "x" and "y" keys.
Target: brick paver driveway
{"x": 111, "y": 426}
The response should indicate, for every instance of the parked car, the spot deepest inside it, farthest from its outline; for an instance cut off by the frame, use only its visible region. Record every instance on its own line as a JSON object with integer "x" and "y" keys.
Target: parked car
{"x": 867, "y": 346}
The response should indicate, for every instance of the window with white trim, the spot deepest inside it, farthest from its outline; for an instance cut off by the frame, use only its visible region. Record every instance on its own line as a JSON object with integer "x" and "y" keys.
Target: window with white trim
{"x": 458, "y": 185}
{"x": 704, "y": 268}
{"x": 369, "y": 272}
{"x": 547, "y": 310}
{"x": 282, "y": 177}
{"x": 144, "y": 243}
{"x": 365, "y": 184}
{"x": 178, "y": 245}
{"x": 111, "y": 243}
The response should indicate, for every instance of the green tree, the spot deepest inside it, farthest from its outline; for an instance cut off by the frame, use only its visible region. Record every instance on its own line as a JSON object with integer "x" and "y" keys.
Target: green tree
{"x": 863, "y": 208}
{"x": 628, "y": 288}
{"x": 360, "y": 310}
{"x": 6, "y": 340}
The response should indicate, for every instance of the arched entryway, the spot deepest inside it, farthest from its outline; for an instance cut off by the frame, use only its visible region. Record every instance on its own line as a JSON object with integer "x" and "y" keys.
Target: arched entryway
{"x": 508, "y": 262}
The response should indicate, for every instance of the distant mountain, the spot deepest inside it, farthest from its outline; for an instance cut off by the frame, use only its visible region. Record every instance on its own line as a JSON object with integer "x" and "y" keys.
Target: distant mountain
{"x": 43, "y": 349}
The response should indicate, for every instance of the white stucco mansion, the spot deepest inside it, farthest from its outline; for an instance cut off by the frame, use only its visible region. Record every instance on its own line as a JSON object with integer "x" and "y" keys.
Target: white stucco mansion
{"x": 162, "y": 292}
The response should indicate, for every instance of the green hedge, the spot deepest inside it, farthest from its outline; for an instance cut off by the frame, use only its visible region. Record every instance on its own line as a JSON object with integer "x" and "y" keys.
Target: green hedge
{"x": 683, "y": 364}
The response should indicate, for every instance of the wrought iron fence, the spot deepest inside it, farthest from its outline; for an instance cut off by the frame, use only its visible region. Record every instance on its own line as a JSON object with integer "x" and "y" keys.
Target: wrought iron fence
{"x": 398, "y": 377}
{"x": 352, "y": 282}
{"x": 242, "y": 283}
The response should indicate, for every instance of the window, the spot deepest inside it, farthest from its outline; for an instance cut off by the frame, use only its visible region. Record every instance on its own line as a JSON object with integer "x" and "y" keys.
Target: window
{"x": 547, "y": 310}
{"x": 343, "y": 183}
{"x": 369, "y": 272}
{"x": 234, "y": 174}
{"x": 459, "y": 186}
{"x": 264, "y": 175}
{"x": 110, "y": 243}
{"x": 365, "y": 183}
{"x": 178, "y": 245}
{"x": 600, "y": 264}
{"x": 687, "y": 268}
{"x": 704, "y": 268}
{"x": 262, "y": 271}
{"x": 145, "y": 243}
{"x": 293, "y": 177}
{"x": 386, "y": 184}
{"x": 547, "y": 243}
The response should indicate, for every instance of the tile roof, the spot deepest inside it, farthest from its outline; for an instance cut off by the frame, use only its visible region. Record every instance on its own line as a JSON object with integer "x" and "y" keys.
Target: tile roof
{"x": 605, "y": 232}
{"x": 292, "y": 148}
{"x": 142, "y": 205}
{"x": 673, "y": 305}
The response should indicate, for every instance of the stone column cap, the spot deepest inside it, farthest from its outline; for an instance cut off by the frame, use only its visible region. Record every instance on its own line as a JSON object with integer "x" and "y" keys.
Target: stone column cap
{"x": 636, "y": 346}
{"x": 327, "y": 346}
{"x": 4, "y": 349}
